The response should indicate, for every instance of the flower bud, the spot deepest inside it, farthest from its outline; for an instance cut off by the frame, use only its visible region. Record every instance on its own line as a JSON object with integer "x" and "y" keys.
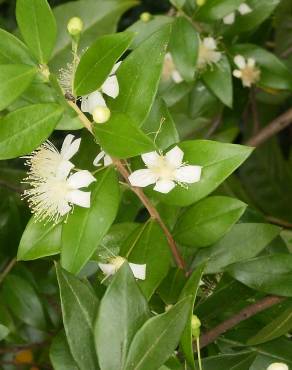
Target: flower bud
{"x": 196, "y": 324}
{"x": 101, "y": 114}
{"x": 145, "y": 17}
{"x": 278, "y": 366}
{"x": 45, "y": 72}
{"x": 201, "y": 2}
{"x": 75, "y": 26}
{"x": 168, "y": 307}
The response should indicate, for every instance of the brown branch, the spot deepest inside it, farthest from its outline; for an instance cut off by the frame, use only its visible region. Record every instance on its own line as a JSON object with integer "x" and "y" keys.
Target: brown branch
{"x": 7, "y": 269}
{"x": 279, "y": 222}
{"x": 249, "y": 311}
{"x": 271, "y": 129}
{"x": 32, "y": 364}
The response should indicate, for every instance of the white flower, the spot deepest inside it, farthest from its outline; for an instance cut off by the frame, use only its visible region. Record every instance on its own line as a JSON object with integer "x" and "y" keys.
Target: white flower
{"x": 107, "y": 161}
{"x": 110, "y": 87}
{"x": 139, "y": 271}
{"x": 243, "y": 9}
{"x": 208, "y": 53}
{"x": 165, "y": 171}
{"x": 278, "y": 366}
{"x": 247, "y": 72}
{"x": 169, "y": 70}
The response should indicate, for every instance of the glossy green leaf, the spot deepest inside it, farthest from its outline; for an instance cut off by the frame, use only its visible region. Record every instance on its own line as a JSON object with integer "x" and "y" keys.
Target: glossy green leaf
{"x": 157, "y": 339}
{"x": 171, "y": 287}
{"x": 37, "y": 26}
{"x": 60, "y": 355}
{"x": 79, "y": 305}
{"x": 86, "y": 227}
{"x": 98, "y": 61}
{"x": 15, "y": 78}
{"x": 218, "y": 161}
{"x": 270, "y": 274}
{"x": 241, "y": 361}
{"x": 207, "y": 221}
{"x": 138, "y": 248}
{"x": 25, "y": 129}
{"x": 121, "y": 138}
{"x": 12, "y": 50}
{"x": 39, "y": 240}
{"x": 22, "y": 299}
{"x": 281, "y": 325}
{"x": 141, "y": 69}
{"x": 4, "y": 331}
{"x": 190, "y": 289}
{"x": 123, "y": 310}
{"x": 242, "y": 242}
{"x": 217, "y": 76}
{"x": 184, "y": 47}
{"x": 217, "y": 9}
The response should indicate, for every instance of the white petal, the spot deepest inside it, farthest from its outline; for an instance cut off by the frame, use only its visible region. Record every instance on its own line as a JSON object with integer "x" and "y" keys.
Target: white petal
{"x": 91, "y": 101}
{"x": 168, "y": 57}
{"x": 64, "y": 169}
{"x": 278, "y": 366}
{"x": 188, "y": 174}
{"x": 210, "y": 43}
{"x": 176, "y": 76}
{"x": 142, "y": 178}
{"x": 251, "y": 62}
{"x": 139, "y": 271}
{"x": 111, "y": 87}
{"x": 115, "y": 68}
{"x": 150, "y": 159}
{"x": 244, "y": 9}
{"x": 237, "y": 73}
{"x": 70, "y": 147}
{"x": 164, "y": 186}
{"x": 107, "y": 160}
{"x": 64, "y": 208}
{"x": 175, "y": 156}
{"x": 107, "y": 268}
{"x": 80, "y": 179}
{"x": 98, "y": 158}
{"x": 229, "y": 19}
{"x": 80, "y": 198}
{"x": 240, "y": 61}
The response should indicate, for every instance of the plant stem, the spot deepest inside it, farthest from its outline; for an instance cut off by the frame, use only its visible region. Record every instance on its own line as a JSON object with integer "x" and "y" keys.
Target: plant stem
{"x": 7, "y": 269}
{"x": 199, "y": 353}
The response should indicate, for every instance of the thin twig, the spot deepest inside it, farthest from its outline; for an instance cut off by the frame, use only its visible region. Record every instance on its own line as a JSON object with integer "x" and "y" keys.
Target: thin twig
{"x": 249, "y": 311}
{"x": 254, "y": 110}
{"x": 271, "y": 129}
{"x": 11, "y": 187}
{"x": 214, "y": 125}
{"x": 279, "y": 222}
{"x": 7, "y": 269}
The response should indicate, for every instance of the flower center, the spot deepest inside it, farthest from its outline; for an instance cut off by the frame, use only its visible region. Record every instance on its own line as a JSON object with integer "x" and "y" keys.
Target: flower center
{"x": 163, "y": 169}
{"x": 250, "y": 74}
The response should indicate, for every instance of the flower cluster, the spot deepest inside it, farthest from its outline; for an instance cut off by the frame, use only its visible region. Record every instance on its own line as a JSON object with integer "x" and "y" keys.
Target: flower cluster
{"x": 247, "y": 71}
{"x": 54, "y": 189}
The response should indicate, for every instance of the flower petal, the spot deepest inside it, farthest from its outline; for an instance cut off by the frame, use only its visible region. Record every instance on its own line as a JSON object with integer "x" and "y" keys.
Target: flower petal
{"x": 142, "y": 178}
{"x": 91, "y": 101}
{"x": 251, "y": 62}
{"x": 244, "y": 9}
{"x": 80, "y": 198}
{"x": 188, "y": 174}
{"x": 237, "y": 73}
{"x": 139, "y": 271}
{"x": 175, "y": 156}
{"x": 111, "y": 87}
{"x": 107, "y": 160}
{"x": 64, "y": 208}
{"x": 64, "y": 169}
{"x": 70, "y": 147}
{"x": 115, "y": 68}
{"x": 210, "y": 43}
{"x": 240, "y": 61}
{"x": 176, "y": 76}
{"x": 164, "y": 186}
{"x": 107, "y": 268}
{"x": 229, "y": 18}
{"x": 80, "y": 179}
{"x": 98, "y": 158}
{"x": 150, "y": 159}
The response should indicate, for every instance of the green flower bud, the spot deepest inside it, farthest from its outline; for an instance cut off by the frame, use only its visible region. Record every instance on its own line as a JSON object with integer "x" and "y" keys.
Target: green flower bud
{"x": 196, "y": 324}
{"x": 75, "y": 26}
{"x": 101, "y": 114}
{"x": 145, "y": 17}
{"x": 45, "y": 72}
{"x": 201, "y": 2}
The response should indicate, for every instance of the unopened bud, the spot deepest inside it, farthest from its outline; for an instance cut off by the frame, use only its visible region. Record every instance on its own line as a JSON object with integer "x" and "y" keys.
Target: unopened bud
{"x": 278, "y": 366}
{"x": 75, "y": 26}
{"x": 101, "y": 114}
{"x": 201, "y": 2}
{"x": 168, "y": 307}
{"x": 145, "y": 17}
{"x": 196, "y": 324}
{"x": 45, "y": 72}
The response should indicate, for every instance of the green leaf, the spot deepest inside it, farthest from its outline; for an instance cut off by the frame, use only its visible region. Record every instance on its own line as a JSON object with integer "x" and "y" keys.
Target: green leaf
{"x": 141, "y": 69}
{"x": 157, "y": 339}
{"x": 79, "y": 308}
{"x": 138, "y": 248}
{"x": 98, "y": 61}
{"x": 99, "y": 18}
{"x": 60, "y": 355}
{"x": 121, "y": 138}
{"x": 4, "y": 331}
{"x": 123, "y": 310}
{"x": 37, "y": 26}
{"x": 240, "y": 361}
{"x": 216, "y": 9}
{"x": 25, "y": 129}
{"x": 242, "y": 242}
{"x": 274, "y": 74}
{"x": 207, "y": 221}
{"x": 15, "y": 78}
{"x": 12, "y": 50}
{"x": 270, "y": 274}
{"x": 218, "y": 161}
{"x": 217, "y": 76}
{"x": 184, "y": 47}
{"x": 86, "y": 227}
{"x": 171, "y": 287}
{"x": 39, "y": 240}
{"x": 190, "y": 289}
{"x": 22, "y": 299}
{"x": 276, "y": 328}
